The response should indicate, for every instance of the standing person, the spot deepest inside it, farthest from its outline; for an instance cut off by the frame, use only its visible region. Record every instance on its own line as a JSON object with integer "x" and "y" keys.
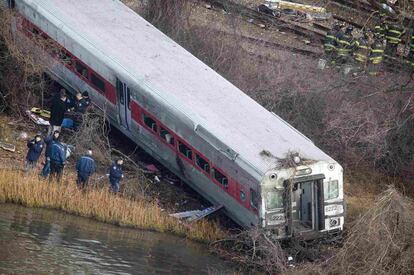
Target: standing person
{"x": 116, "y": 174}
{"x": 85, "y": 167}
{"x": 35, "y": 150}
{"x": 87, "y": 99}
{"x": 57, "y": 113}
{"x": 410, "y": 56}
{"x": 376, "y": 56}
{"x": 49, "y": 140}
{"x": 380, "y": 27}
{"x": 57, "y": 160}
{"x": 80, "y": 104}
{"x": 345, "y": 45}
{"x": 393, "y": 36}
{"x": 330, "y": 43}
{"x": 362, "y": 51}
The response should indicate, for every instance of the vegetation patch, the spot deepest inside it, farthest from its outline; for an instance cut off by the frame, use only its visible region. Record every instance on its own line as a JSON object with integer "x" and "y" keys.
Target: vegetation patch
{"x": 29, "y": 190}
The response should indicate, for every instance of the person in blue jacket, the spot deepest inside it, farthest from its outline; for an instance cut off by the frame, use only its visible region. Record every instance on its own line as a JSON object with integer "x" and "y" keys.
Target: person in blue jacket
{"x": 57, "y": 160}
{"x": 49, "y": 140}
{"x": 35, "y": 150}
{"x": 116, "y": 174}
{"x": 85, "y": 167}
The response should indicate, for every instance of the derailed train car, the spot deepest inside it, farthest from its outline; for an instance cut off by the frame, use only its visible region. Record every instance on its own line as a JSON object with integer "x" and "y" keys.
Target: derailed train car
{"x": 196, "y": 123}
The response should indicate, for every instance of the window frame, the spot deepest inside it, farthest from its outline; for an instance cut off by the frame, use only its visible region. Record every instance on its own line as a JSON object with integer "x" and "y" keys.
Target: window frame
{"x": 162, "y": 127}
{"x": 329, "y": 191}
{"x": 146, "y": 114}
{"x": 213, "y": 176}
{"x": 198, "y": 155}
{"x": 93, "y": 74}
{"x": 252, "y": 191}
{"x": 181, "y": 141}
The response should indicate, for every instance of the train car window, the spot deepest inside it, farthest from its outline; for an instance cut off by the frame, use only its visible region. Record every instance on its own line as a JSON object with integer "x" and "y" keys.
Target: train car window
{"x": 65, "y": 57}
{"x": 242, "y": 196}
{"x": 254, "y": 200}
{"x": 185, "y": 150}
{"x": 35, "y": 31}
{"x": 150, "y": 123}
{"x": 167, "y": 136}
{"x": 81, "y": 69}
{"x": 220, "y": 178}
{"x": 97, "y": 82}
{"x": 202, "y": 163}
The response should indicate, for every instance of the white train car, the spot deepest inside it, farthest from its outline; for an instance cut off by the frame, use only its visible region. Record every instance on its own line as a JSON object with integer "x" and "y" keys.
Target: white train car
{"x": 204, "y": 129}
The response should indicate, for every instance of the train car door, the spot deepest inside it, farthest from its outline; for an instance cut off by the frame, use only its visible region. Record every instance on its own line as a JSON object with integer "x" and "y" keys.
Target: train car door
{"x": 124, "y": 103}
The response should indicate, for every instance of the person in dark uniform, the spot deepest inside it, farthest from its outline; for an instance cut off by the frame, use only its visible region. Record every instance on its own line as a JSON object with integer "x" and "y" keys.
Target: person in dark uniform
{"x": 35, "y": 150}
{"x": 49, "y": 140}
{"x": 87, "y": 99}
{"x": 116, "y": 174}
{"x": 85, "y": 167}
{"x": 330, "y": 43}
{"x": 376, "y": 57}
{"x": 410, "y": 57}
{"x": 393, "y": 36}
{"x": 57, "y": 113}
{"x": 57, "y": 160}
{"x": 362, "y": 51}
{"x": 346, "y": 44}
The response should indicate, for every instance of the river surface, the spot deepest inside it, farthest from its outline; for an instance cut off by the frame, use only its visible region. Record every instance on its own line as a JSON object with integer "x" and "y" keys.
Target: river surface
{"x": 38, "y": 241}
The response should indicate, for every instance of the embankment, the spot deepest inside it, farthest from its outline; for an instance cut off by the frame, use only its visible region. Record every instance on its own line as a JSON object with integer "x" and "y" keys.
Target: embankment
{"x": 99, "y": 204}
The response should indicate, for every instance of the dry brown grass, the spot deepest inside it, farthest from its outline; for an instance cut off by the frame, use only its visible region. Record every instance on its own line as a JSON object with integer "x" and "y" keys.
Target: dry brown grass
{"x": 99, "y": 204}
{"x": 381, "y": 241}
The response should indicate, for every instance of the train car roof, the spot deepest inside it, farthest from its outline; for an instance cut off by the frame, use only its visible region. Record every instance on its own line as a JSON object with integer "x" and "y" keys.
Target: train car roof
{"x": 178, "y": 76}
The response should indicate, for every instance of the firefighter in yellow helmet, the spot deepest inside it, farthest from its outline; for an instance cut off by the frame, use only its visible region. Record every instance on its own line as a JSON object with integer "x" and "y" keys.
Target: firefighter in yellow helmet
{"x": 393, "y": 36}
{"x": 410, "y": 57}
{"x": 330, "y": 43}
{"x": 346, "y": 44}
{"x": 362, "y": 51}
{"x": 376, "y": 56}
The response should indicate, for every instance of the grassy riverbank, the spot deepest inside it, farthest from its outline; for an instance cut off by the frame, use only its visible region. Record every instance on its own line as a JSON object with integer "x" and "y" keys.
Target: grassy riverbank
{"x": 99, "y": 204}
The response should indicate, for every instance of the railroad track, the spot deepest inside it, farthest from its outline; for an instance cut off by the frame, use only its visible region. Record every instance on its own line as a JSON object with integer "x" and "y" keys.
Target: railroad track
{"x": 357, "y": 5}
{"x": 268, "y": 20}
{"x": 272, "y": 45}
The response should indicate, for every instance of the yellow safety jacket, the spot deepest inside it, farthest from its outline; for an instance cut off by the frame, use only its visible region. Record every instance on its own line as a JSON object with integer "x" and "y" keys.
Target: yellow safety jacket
{"x": 377, "y": 53}
{"x": 330, "y": 42}
{"x": 362, "y": 51}
{"x": 345, "y": 44}
{"x": 394, "y": 34}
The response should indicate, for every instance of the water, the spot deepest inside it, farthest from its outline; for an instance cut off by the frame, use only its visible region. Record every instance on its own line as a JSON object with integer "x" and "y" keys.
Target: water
{"x": 38, "y": 241}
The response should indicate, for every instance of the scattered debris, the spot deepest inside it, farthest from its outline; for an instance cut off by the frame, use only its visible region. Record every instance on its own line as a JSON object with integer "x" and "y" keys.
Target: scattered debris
{"x": 151, "y": 168}
{"x": 281, "y": 5}
{"x": 7, "y": 146}
{"x": 277, "y": 7}
{"x": 23, "y": 136}
{"x": 157, "y": 179}
{"x": 37, "y": 119}
{"x": 195, "y": 215}
{"x": 266, "y": 10}
{"x": 40, "y": 112}
{"x": 321, "y": 64}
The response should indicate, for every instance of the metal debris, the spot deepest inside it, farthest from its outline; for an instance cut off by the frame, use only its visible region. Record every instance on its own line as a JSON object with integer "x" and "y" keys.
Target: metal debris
{"x": 195, "y": 215}
{"x": 7, "y": 146}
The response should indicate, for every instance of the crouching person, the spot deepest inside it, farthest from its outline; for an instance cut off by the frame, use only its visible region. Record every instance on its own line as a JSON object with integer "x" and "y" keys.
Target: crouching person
{"x": 116, "y": 174}
{"x": 35, "y": 150}
{"x": 57, "y": 160}
{"x": 85, "y": 167}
